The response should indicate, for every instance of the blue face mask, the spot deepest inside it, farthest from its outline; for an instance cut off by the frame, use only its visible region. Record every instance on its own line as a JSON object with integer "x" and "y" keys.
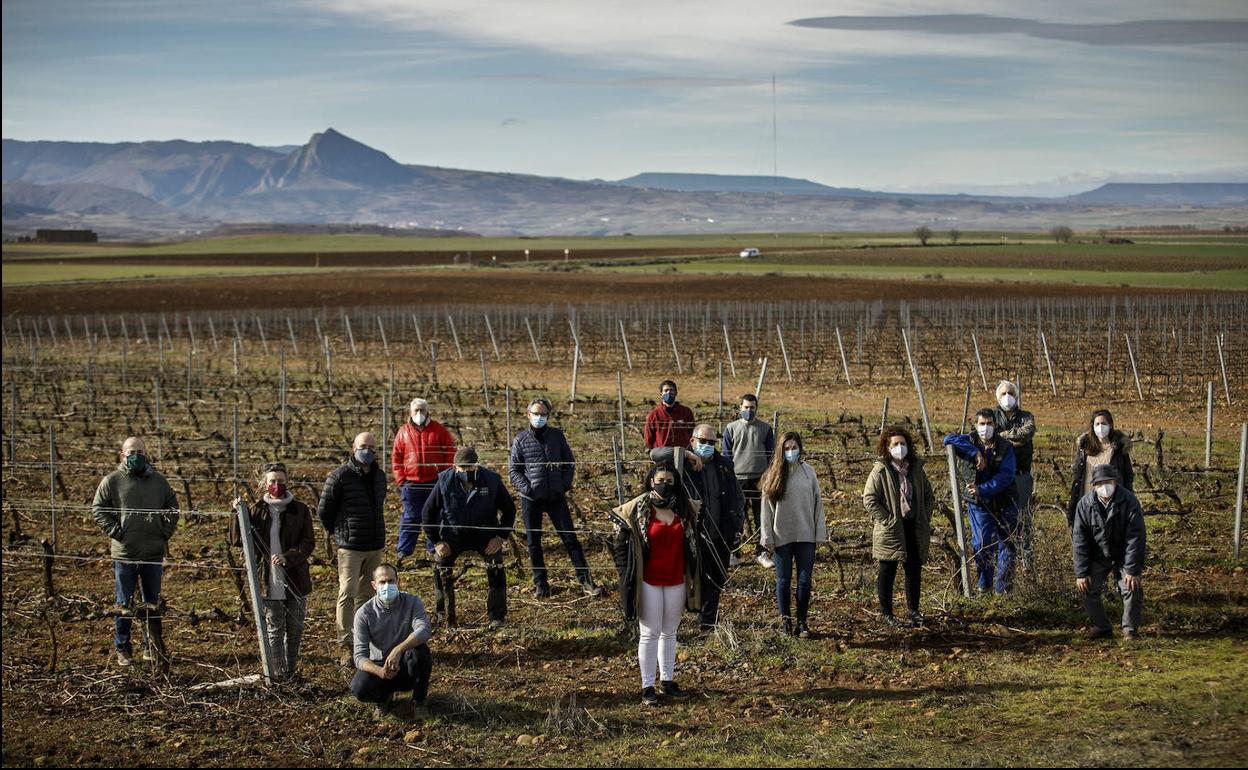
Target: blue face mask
{"x": 747, "y": 414}
{"x": 387, "y": 592}
{"x": 791, "y": 455}
{"x": 669, "y": 398}
{"x": 703, "y": 450}
{"x": 537, "y": 420}
{"x": 365, "y": 456}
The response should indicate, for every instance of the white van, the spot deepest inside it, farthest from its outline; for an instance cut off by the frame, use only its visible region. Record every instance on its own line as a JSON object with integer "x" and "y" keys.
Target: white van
{"x": 750, "y": 253}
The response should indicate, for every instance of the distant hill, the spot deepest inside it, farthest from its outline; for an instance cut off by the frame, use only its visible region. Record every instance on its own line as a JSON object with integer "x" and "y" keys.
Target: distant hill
{"x": 1218, "y": 194}
{"x": 176, "y": 188}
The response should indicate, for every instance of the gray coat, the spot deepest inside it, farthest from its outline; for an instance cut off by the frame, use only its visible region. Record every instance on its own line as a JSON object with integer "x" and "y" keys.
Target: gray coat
{"x": 1112, "y": 536}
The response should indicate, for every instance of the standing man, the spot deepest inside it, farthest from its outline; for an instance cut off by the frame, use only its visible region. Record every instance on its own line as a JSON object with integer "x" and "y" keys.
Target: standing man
{"x": 670, "y": 423}
{"x": 749, "y": 442}
{"x": 708, "y": 477}
{"x": 423, "y": 448}
{"x": 391, "y": 632}
{"x": 461, "y": 515}
{"x": 1108, "y": 537}
{"x": 137, "y": 509}
{"x": 993, "y": 512}
{"x": 541, "y": 468}
{"x": 351, "y": 510}
{"x": 1018, "y": 426}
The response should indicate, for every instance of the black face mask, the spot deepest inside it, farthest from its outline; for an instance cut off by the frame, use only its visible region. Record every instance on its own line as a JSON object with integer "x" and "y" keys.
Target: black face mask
{"x": 469, "y": 477}
{"x": 663, "y": 494}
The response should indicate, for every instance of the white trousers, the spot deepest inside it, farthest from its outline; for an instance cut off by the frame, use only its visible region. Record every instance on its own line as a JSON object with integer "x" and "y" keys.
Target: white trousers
{"x": 661, "y": 607}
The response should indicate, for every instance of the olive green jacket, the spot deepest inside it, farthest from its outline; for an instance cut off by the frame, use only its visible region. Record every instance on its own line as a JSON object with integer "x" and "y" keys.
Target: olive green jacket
{"x": 882, "y": 498}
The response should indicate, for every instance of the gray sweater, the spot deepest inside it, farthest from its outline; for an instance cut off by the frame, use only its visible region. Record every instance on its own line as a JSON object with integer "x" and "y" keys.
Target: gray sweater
{"x": 749, "y": 445}
{"x": 379, "y": 629}
{"x": 798, "y": 517}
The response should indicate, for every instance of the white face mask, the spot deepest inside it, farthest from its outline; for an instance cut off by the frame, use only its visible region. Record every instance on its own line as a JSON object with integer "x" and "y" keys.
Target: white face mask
{"x": 420, "y": 418}
{"x": 985, "y": 432}
{"x": 1007, "y": 402}
{"x": 1102, "y": 430}
{"x": 1105, "y": 491}
{"x": 899, "y": 451}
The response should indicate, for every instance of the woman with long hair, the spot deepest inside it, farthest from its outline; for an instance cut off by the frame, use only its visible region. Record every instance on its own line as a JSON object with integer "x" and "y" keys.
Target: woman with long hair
{"x": 283, "y": 536}
{"x": 1101, "y": 444}
{"x": 792, "y": 525}
{"x": 660, "y": 573}
{"x": 898, "y": 495}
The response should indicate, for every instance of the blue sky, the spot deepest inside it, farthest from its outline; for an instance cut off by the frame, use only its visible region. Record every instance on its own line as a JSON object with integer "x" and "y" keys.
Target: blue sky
{"x": 973, "y": 95}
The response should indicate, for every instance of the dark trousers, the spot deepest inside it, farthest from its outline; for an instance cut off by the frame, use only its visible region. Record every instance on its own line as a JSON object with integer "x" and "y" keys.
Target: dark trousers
{"x": 561, "y": 520}
{"x": 126, "y": 577}
{"x": 495, "y": 573}
{"x": 715, "y": 552}
{"x": 413, "y": 675}
{"x": 754, "y": 504}
{"x": 787, "y": 555}
{"x": 914, "y": 574}
{"x": 413, "y": 496}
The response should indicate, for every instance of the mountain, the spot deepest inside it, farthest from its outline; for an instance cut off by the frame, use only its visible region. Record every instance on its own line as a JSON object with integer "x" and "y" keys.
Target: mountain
{"x": 175, "y": 187}
{"x": 1216, "y": 194}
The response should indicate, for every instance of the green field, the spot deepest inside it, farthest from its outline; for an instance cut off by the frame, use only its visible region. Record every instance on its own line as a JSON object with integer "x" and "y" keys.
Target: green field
{"x": 32, "y": 273}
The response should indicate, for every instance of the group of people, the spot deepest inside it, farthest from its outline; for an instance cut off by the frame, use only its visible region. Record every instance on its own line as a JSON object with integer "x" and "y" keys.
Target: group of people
{"x": 673, "y": 544}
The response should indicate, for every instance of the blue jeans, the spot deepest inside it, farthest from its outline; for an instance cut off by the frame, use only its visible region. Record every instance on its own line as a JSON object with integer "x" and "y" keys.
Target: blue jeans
{"x": 786, "y": 555}
{"x": 125, "y": 577}
{"x": 993, "y": 543}
{"x": 413, "y": 496}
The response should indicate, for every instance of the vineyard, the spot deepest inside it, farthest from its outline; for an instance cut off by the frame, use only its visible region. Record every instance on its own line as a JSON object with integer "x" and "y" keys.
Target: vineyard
{"x": 216, "y": 394}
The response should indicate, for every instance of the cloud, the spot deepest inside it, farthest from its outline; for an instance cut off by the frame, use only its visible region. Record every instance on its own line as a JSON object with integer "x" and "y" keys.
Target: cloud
{"x": 1154, "y": 32}
{"x": 635, "y": 82}
{"x": 508, "y": 122}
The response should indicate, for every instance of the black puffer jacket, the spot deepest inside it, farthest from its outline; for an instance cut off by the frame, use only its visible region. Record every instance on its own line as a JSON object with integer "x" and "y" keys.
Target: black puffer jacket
{"x": 541, "y": 464}
{"x": 351, "y": 506}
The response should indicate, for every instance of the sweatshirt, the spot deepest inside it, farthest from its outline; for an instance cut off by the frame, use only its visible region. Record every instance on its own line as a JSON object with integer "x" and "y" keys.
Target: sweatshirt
{"x": 379, "y": 629}
{"x": 798, "y": 517}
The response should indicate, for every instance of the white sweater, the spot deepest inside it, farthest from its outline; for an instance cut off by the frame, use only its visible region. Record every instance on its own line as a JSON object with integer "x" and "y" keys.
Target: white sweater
{"x": 798, "y": 518}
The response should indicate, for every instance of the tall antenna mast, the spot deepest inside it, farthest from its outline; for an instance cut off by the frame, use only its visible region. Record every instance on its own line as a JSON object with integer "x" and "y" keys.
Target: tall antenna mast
{"x": 775, "y": 162}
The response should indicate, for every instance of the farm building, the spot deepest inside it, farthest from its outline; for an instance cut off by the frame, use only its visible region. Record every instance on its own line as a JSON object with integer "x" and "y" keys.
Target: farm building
{"x": 66, "y": 236}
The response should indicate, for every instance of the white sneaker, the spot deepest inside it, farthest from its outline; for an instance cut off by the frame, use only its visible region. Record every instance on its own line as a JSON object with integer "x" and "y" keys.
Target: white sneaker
{"x": 734, "y": 561}
{"x": 765, "y": 560}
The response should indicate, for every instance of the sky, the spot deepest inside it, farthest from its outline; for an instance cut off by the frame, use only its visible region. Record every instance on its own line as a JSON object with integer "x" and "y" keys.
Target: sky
{"x": 960, "y": 96}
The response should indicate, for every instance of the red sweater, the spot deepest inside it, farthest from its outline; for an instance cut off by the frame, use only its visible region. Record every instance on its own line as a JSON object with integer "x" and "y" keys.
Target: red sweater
{"x": 669, "y": 426}
{"x": 666, "y": 565}
{"x": 419, "y": 454}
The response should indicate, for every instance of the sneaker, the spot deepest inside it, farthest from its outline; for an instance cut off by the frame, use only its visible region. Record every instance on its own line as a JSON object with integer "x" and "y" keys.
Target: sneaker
{"x": 917, "y": 618}
{"x": 380, "y": 712}
{"x": 124, "y": 659}
{"x": 398, "y": 561}
{"x": 648, "y": 697}
{"x": 765, "y": 560}
{"x": 803, "y": 630}
{"x": 1098, "y": 633}
{"x": 891, "y": 621}
{"x": 1130, "y": 635}
{"x": 148, "y": 655}
{"x": 495, "y": 625}
{"x": 541, "y": 591}
{"x": 788, "y": 626}
{"x": 672, "y": 690}
{"x": 591, "y": 588}
{"x": 734, "y": 561}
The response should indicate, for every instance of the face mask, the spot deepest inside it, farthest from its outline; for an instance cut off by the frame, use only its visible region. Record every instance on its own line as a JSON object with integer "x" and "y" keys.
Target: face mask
{"x": 669, "y": 398}
{"x": 276, "y": 490}
{"x": 662, "y": 494}
{"x": 1105, "y": 491}
{"x": 704, "y": 450}
{"x": 791, "y": 455}
{"x": 1102, "y": 431}
{"x": 899, "y": 452}
{"x": 985, "y": 432}
{"x": 136, "y": 464}
{"x": 420, "y": 419}
{"x": 387, "y": 592}
{"x": 468, "y": 477}
{"x": 538, "y": 420}
{"x": 747, "y": 414}
{"x": 365, "y": 456}
{"x": 1007, "y": 402}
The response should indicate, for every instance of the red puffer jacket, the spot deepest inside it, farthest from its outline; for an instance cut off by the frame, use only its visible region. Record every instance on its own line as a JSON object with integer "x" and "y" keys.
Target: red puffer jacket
{"x": 419, "y": 454}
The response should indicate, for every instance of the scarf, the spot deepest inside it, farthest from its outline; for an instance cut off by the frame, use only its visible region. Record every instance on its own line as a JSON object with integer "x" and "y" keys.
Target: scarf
{"x": 903, "y": 472}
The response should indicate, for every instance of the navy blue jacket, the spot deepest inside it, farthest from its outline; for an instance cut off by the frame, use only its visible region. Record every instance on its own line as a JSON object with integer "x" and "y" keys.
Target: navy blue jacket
{"x": 453, "y": 514}
{"x": 541, "y": 464}
{"x": 994, "y": 486}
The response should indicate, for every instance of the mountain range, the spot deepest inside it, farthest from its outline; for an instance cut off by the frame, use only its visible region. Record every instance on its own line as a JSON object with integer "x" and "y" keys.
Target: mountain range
{"x": 158, "y": 189}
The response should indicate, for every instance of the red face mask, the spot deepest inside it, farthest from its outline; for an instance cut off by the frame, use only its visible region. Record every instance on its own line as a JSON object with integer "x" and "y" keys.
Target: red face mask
{"x": 276, "y": 490}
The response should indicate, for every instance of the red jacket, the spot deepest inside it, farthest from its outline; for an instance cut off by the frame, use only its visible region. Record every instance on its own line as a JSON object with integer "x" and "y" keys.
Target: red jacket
{"x": 669, "y": 427}
{"x": 421, "y": 453}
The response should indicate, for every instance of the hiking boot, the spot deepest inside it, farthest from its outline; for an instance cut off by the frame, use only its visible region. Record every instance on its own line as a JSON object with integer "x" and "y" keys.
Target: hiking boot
{"x": 648, "y": 697}
{"x": 803, "y": 630}
{"x": 541, "y": 591}
{"x": 124, "y": 658}
{"x": 917, "y": 618}
{"x": 418, "y": 710}
{"x": 1098, "y": 633}
{"x": 891, "y": 621}
{"x": 496, "y": 625}
{"x": 672, "y": 690}
{"x": 765, "y": 560}
{"x": 591, "y": 588}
